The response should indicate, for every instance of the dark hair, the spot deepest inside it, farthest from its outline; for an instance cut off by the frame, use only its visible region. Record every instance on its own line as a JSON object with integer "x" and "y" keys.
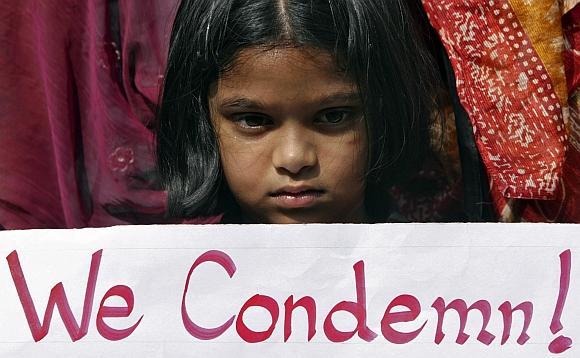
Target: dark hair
{"x": 377, "y": 42}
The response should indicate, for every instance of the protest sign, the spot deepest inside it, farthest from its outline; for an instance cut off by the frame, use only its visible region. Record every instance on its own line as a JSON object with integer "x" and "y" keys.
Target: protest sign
{"x": 390, "y": 290}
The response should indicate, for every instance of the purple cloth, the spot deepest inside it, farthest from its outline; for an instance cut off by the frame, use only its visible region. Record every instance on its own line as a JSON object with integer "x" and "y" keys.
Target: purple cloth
{"x": 77, "y": 110}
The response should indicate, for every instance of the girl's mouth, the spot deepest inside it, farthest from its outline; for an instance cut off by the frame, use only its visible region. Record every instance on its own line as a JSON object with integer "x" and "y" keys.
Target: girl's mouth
{"x": 293, "y": 198}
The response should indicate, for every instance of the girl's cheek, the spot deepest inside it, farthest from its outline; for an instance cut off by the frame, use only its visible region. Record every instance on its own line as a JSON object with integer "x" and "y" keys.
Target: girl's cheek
{"x": 351, "y": 146}
{"x": 240, "y": 156}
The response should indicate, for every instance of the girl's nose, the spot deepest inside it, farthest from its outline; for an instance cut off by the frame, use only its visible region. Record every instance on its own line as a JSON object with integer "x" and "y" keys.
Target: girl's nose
{"x": 294, "y": 153}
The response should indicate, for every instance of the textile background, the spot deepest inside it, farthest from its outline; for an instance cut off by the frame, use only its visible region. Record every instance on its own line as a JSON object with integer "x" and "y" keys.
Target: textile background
{"x": 77, "y": 110}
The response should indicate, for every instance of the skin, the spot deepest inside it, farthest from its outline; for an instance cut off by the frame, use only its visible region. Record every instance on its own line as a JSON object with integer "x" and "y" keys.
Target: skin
{"x": 292, "y": 137}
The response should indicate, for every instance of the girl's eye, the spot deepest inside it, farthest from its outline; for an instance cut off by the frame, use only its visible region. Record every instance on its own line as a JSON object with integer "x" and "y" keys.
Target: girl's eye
{"x": 334, "y": 116}
{"x": 252, "y": 120}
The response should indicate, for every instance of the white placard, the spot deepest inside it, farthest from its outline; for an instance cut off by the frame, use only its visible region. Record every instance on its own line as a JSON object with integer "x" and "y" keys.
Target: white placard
{"x": 392, "y": 290}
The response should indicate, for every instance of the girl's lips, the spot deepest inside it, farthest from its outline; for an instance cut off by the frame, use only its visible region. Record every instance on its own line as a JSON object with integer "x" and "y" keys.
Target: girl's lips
{"x": 293, "y": 199}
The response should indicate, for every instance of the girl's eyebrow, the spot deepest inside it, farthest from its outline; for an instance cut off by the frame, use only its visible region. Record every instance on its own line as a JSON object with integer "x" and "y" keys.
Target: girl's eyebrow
{"x": 349, "y": 97}
{"x": 340, "y": 97}
{"x": 241, "y": 102}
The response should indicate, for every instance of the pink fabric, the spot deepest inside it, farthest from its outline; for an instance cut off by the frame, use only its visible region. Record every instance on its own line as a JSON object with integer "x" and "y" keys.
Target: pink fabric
{"x": 76, "y": 144}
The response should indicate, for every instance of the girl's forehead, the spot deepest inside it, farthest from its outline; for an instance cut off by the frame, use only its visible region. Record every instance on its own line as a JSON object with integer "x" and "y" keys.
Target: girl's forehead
{"x": 285, "y": 61}
{"x": 283, "y": 76}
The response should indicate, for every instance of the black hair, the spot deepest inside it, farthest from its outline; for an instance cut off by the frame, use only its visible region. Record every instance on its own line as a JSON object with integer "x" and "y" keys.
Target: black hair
{"x": 378, "y": 43}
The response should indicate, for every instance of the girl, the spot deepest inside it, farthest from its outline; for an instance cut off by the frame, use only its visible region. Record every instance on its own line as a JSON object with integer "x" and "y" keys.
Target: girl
{"x": 292, "y": 111}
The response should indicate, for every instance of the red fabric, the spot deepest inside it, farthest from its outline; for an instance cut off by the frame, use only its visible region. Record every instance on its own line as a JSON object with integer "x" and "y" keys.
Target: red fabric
{"x": 512, "y": 103}
{"x": 567, "y": 205}
{"x": 507, "y": 92}
{"x": 76, "y": 141}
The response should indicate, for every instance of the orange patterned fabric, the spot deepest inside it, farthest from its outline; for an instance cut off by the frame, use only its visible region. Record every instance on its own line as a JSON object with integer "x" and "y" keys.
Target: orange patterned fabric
{"x": 567, "y": 205}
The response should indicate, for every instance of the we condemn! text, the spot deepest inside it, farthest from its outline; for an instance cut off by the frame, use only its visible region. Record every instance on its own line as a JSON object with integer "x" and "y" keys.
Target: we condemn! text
{"x": 403, "y": 308}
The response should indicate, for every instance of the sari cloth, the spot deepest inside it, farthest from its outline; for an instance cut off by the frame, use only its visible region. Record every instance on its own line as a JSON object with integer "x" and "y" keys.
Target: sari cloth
{"x": 511, "y": 80}
{"x": 77, "y": 111}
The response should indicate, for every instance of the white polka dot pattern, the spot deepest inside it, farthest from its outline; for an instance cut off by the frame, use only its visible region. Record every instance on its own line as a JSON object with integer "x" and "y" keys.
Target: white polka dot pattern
{"x": 507, "y": 92}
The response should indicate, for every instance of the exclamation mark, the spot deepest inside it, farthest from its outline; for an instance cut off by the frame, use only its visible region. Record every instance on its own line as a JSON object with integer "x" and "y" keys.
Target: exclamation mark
{"x": 561, "y": 343}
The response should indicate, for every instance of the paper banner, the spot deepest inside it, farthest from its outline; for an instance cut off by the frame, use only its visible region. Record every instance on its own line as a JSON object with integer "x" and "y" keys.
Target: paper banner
{"x": 392, "y": 290}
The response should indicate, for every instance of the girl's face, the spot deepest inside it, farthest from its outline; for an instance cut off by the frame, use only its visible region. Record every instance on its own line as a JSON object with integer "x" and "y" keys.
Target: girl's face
{"x": 292, "y": 137}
